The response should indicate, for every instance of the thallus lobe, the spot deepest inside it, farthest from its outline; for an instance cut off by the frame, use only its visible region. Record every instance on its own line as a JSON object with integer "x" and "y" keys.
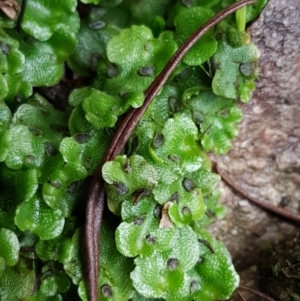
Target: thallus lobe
{"x": 96, "y": 196}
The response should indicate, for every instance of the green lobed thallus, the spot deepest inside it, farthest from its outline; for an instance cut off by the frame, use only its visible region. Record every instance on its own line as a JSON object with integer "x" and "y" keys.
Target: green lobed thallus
{"x": 161, "y": 188}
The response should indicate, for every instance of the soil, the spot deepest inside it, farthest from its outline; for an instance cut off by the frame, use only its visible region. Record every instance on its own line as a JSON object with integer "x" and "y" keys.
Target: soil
{"x": 265, "y": 159}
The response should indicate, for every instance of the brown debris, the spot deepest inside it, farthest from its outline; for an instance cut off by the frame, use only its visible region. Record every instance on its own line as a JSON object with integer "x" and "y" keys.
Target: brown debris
{"x": 10, "y": 8}
{"x": 165, "y": 221}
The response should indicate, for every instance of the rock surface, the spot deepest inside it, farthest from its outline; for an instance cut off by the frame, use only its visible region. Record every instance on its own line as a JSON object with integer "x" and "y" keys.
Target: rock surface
{"x": 265, "y": 159}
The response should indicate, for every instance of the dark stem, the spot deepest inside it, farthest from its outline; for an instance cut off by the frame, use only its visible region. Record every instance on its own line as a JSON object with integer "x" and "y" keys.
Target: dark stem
{"x": 96, "y": 197}
{"x": 240, "y": 294}
{"x": 132, "y": 118}
{"x": 21, "y": 15}
{"x": 257, "y": 293}
{"x": 274, "y": 209}
{"x": 207, "y": 244}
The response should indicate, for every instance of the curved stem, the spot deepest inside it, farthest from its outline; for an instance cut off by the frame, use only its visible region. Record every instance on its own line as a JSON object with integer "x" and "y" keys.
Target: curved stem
{"x": 96, "y": 197}
{"x": 274, "y": 209}
{"x": 130, "y": 121}
{"x": 240, "y": 294}
{"x": 257, "y": 293}
{"x": 21, "y": 15}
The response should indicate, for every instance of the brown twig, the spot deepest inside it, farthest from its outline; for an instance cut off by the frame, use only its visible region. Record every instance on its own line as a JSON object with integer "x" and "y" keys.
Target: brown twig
{"x": 274, "y": 209}
{"x": 96, "y": 197}
{"x": 240, "y": 294}
{"x": 257, "y": 293}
